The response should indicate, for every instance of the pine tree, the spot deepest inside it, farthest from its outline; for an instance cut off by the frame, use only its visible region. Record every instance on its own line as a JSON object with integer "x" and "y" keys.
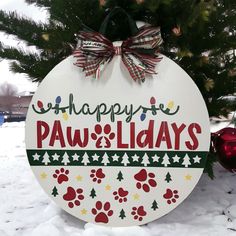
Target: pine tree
{"x": 93, "y": 193}
{"x": 55, "y": 40}
{"x": 145, "y": 160}
{"x": 120, "y": 176}
{"x": 65, "y": 159}
{"x": 165, "y": 161}
{"x": 54, "y": 191}
{"x": 199, "y": 36}
{"x": 168, "y": 177}
{"x": 186, "y": 161}
{"x": 105, "y": 159}
{"x": 46, "y": 159}
{"x": 122, "y": 214}
{"x": 85, "y": 159}
{"x": 200, "y": 39}
{"x": 154, "y": 205}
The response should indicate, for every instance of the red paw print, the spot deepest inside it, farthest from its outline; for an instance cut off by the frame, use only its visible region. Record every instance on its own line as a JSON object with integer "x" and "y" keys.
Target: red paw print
{"x": 102, "y": 212}
{"x": 61, "y": 175}
{"x": 138, "y": 213}
{"x": 145, "y": 180}
{"x": 107, "y": 136}
{"x": 97, "y": 175}
{"x": 120, "y": 195}
{"x": 171, "y": 195}
{"x": 73, "y": 197}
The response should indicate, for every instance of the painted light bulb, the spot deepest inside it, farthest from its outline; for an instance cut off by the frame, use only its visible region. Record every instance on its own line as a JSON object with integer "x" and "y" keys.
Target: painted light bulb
{"x": 65, "y": 116}
{"x": 58, "y": 99}
{"x": 152, "y": 100}
{"x": 153, "y": 105}
{"x": 170, "y": 104}
{"x": 143, "y": 117}
{"x": 40, "y": 104}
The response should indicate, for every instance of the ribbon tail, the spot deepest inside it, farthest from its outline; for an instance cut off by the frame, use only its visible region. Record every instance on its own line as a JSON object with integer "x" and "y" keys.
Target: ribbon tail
{"x": 100, "y": 69}
{"x": 98, "y": 72}
{"x": 136, "y": 71}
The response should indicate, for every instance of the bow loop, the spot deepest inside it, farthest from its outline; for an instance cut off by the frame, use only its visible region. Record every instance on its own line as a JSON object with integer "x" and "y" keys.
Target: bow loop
{"x": 139, "y": 53}
{"x": 147, "y": 38}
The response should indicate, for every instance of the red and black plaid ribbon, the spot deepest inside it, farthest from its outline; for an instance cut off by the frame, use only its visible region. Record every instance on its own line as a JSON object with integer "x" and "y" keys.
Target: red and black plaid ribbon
{"x": 139, "y": 53}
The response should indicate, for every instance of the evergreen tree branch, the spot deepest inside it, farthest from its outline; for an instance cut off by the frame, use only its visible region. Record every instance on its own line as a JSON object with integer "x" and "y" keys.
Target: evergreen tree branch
{"x": 34, "y": 65}
{"x": 39, "y": 3}
{"x": 211, "y": 159}
{"x": 40, "y": 35}
{"x": 71, "y": 13}
{"x": 25, "y": 29}
{"x": 11, "y": 53}
{"x": 37, "y": 71}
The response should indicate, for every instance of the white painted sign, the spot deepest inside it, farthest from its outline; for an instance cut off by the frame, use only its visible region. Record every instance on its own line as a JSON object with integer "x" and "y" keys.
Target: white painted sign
{"x": 113, "y": 151}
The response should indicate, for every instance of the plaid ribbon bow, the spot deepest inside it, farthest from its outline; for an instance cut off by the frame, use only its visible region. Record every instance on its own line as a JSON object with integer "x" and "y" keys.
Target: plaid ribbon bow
{"x": 139, "y": 53}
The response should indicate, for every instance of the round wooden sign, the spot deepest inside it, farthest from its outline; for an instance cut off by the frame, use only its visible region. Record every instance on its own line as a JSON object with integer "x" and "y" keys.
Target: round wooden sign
{"x": 113, "y": 151}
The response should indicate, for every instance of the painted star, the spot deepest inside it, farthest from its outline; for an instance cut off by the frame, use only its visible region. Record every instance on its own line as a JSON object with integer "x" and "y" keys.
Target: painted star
{"x": 135, "y": 157}
{"x": 188, "y": 177}
{"x": 136, "y": 197}
{"x": 197, "y": 159}
{"x": 83, "y": 212}
{"x": 36, "y": 157}
{"x": 115, "y": 157}
{"x": 43, "y": 175}
{"x": 95, "y": 157}
{"x": 108, "y": 187}
{"x": 75, "y": 157}
{"x": 79, "y": 178}
{"x": 55, "y": 157}
{"x": 176, "y": 158}
{"x": 155, "y": 158}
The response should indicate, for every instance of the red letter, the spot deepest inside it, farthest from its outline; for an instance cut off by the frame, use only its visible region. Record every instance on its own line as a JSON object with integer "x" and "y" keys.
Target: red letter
{"x": 132, "y": 135}
{"x": 119, "y": 136}
{"x": 177, "y": 132}
{"x": 41, "y": 135}
{"x": 57, "y": 134}
{"x": 192, "y": 135}
{"x": 148, "y": 136}
{"x": 77, "y": 138}
{"x": 164, "y": 135}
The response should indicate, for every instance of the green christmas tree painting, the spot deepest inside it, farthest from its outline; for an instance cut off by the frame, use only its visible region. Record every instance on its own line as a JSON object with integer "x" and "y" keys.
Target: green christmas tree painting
{"x": 54, "y": 191}
{"x": 122, "y": 214}
{"x": 168, "y": 177}
{"x": 120, "y": 176}
{"x": 154, "y": 205}
{"x": 93, "y": 193}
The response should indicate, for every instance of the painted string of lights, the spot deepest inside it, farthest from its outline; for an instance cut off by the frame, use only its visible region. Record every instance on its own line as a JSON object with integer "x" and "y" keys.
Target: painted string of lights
{"x": 103, "y": 109}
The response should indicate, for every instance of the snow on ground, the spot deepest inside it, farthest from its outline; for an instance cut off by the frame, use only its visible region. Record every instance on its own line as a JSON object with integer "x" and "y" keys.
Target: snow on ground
{"x": 25, "y": 210}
